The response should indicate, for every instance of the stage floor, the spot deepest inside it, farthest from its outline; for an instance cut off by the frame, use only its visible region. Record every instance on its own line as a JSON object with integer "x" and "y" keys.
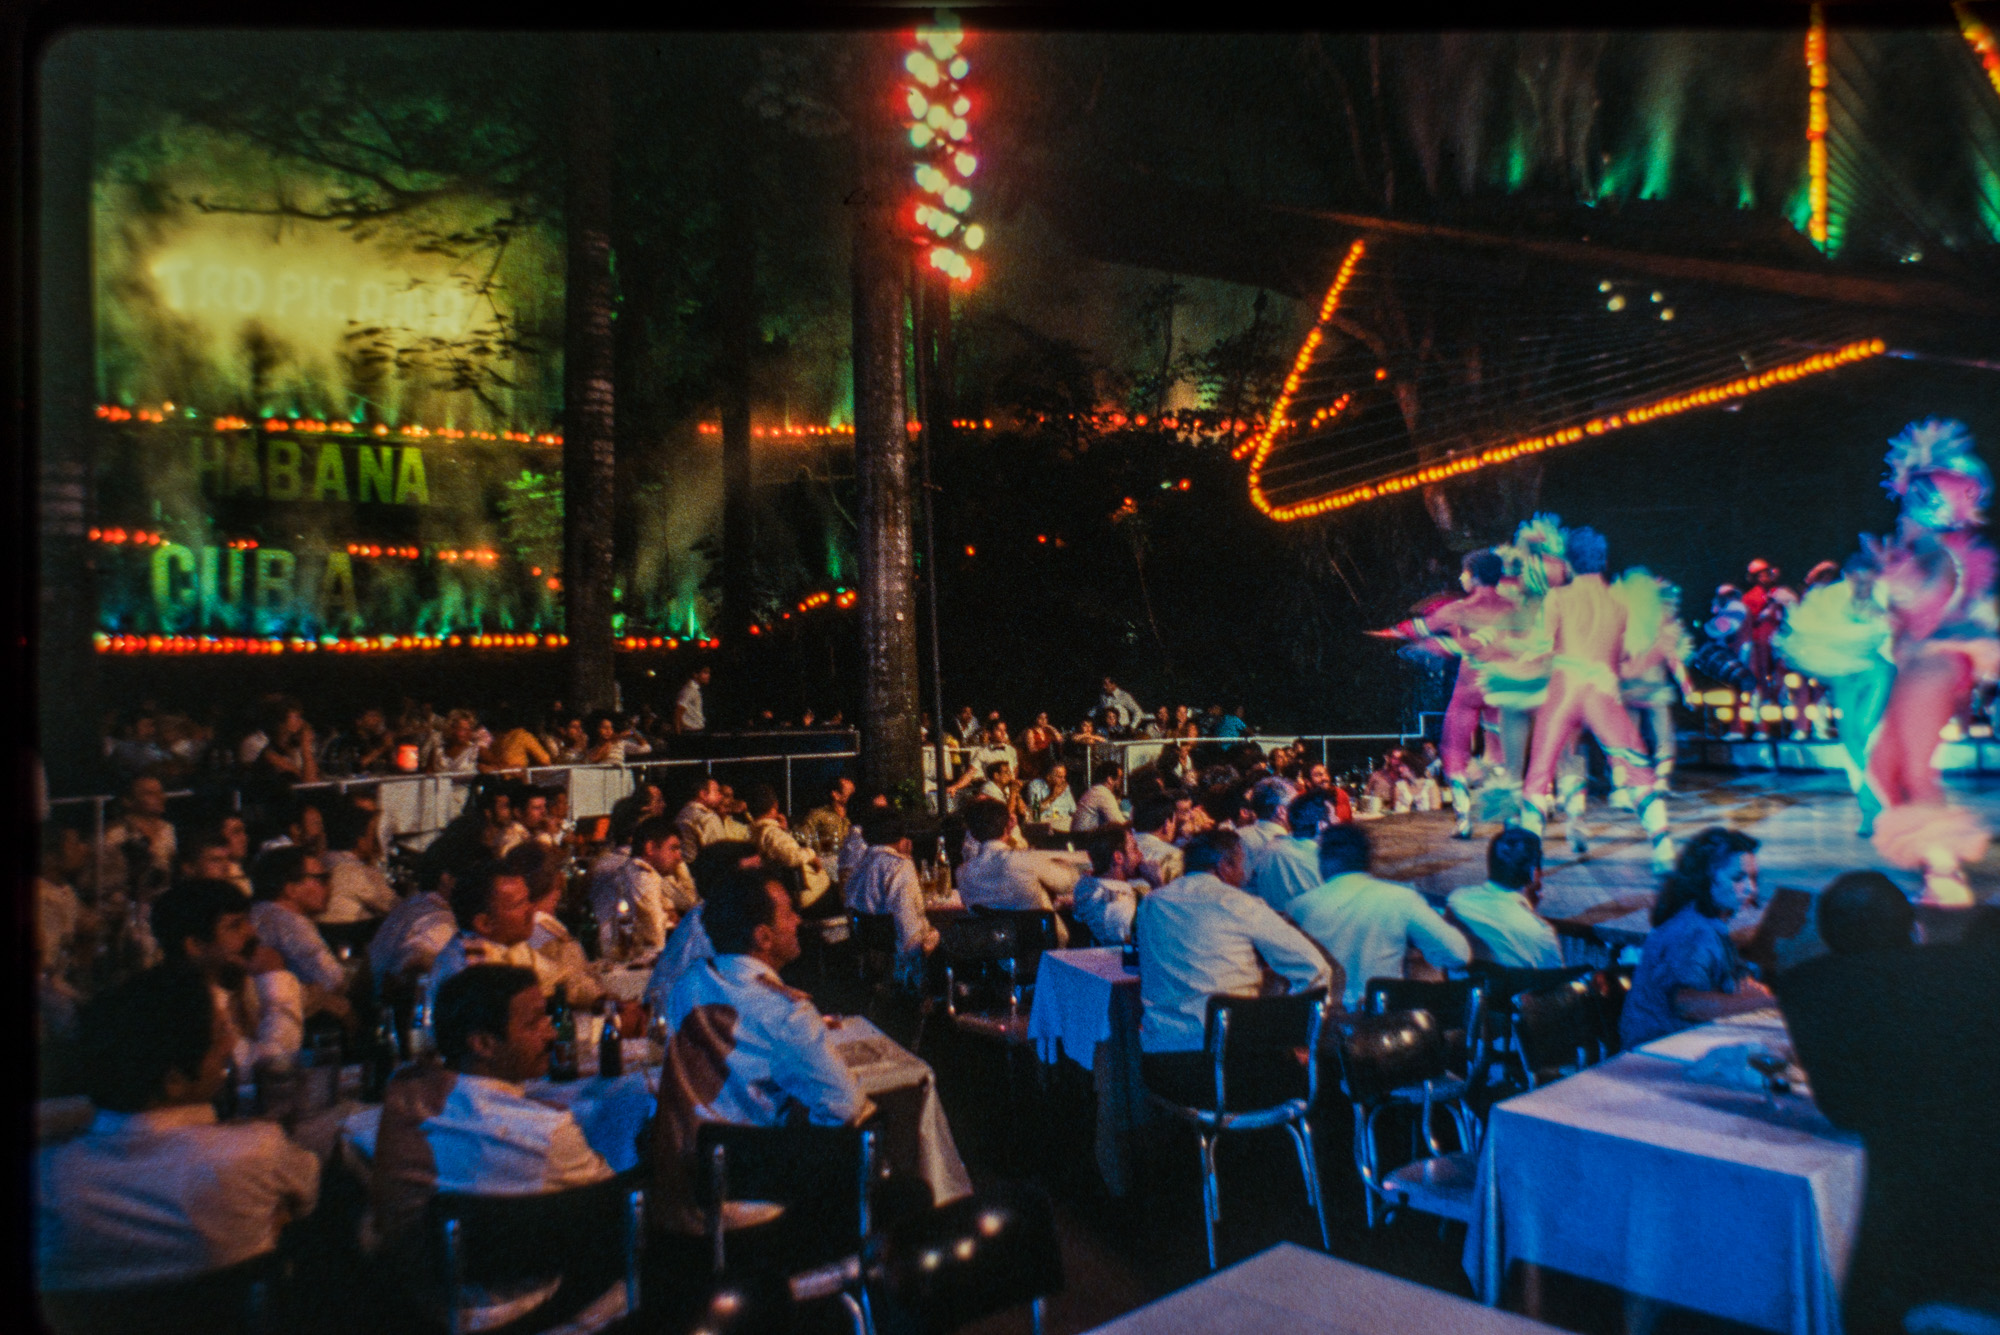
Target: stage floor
{"x": 1805, "y": 823}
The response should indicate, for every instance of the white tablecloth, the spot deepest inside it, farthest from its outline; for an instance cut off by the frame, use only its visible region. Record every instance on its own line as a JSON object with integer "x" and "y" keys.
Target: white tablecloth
{"x": 1290, "y": 1288}
{"x": 1087, "y": 1007}
{"x": 1633, "y": 1175}
{"x": 879, "y": 1063}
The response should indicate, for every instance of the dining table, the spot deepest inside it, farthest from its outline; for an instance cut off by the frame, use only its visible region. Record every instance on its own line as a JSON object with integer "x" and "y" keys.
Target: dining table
{"x": 1657, "y": 1175}
{"x": 1086, "y": 1008}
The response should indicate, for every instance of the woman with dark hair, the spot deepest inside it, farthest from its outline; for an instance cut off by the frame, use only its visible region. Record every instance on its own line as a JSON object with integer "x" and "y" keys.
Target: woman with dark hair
{"x": 1689, "y": 972}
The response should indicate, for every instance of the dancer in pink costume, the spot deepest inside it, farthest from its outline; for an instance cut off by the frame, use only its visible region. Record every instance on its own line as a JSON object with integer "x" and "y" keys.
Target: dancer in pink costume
{"x": 1586, "y": 626}
{"x": 1937, "y": 579}
{"x": 1451, "y": 628}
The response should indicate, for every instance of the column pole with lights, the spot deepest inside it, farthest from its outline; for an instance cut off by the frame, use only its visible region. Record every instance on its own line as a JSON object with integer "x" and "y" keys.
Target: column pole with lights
{"x": 938, "y": 104}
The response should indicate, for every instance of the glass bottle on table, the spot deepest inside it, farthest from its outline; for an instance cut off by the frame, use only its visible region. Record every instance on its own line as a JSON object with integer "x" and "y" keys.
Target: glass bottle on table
{"x": 383, "y": 1053}
{"x": 610, "y": 1043}
{"x": 563, "y": 1063}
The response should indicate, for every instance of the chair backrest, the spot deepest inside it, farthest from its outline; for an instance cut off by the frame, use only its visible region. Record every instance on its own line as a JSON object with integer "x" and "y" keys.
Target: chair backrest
{"x": 233, "y": 1301}
{"x": 945, "y": 1268}
{"x": 1557, "y": 1028}
{"x": 1458, "y": 1005}
{"x": 1502, "y": 983}
{"x": 875, "y": 932}
{"x": 354, "y": 935}
{"x": 1611, "y": 987}
{"x": 1383, "y": 1053}
{"x": 830, "y": 1169}
{"x": 1034, "y": 932}
{"x": 496, "y": 1239}
{"x": 1243, "y": 1033}
{"x": 977, "y": 938}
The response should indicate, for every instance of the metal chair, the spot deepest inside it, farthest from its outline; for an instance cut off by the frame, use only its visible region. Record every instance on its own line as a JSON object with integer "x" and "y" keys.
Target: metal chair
{"x": 1611, "y": 987}
{"x": 946, "y": 1268}
{"x": 822, "y": 1178}
{"x": 1556, "y": 1031}
{"x": 1503, "y": 985}
{"x": 234, "y": 1301}
{"x": 1459, "y": 1007}
{"x": 505, "y": 1239}
{"x": 1381, "y": 1055}
{"x": 1249, "y": 1040}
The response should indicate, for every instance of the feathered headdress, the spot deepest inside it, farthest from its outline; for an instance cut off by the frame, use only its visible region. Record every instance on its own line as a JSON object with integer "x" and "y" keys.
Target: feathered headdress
{"x": 1541, "y": 540}
{"x": 1936, "y": 472}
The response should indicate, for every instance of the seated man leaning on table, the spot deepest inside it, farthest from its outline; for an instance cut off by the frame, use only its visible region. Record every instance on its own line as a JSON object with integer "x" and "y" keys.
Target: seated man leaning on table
{"x": 1198, "y": 936}
{"x": 417, "y": 930}
{"x": 885, "y": 881}
{"x": 495, "y": 911}
{"x": 745, "y": 1048}
{"x": 155, "y": 1191}
{"x": 1001, "y": 877}
{"x": 653, "y": 883}
{"x": 689, "y": 945}
{"x": 1108, "y": 898}
{"x": 1689, "y": 972}
{"x": 290, "y": 890}
{"x": 468, "y": 1126}
{"x": 206, "y": 924}
{"x": 1902, "y": 1045}
{"x": 1368, "y": 925}
{"x": 1500, "y": 916}
{"x": 778, "y": 849}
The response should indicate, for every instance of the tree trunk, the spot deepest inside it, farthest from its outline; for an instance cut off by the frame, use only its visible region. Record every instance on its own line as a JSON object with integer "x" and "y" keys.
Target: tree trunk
{"x": 738, "y": 277}
{"x": 589, "y": 450}
{"x": 890, "y": 742}
{"x": 64, "y": 615}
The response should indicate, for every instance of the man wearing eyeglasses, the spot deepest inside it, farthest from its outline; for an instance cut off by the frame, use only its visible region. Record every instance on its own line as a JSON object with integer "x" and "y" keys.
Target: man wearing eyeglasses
{"x": 291, "y": 889}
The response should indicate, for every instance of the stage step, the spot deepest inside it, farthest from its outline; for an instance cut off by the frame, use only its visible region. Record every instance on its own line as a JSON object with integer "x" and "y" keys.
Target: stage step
{"x": 1980, "y": 757}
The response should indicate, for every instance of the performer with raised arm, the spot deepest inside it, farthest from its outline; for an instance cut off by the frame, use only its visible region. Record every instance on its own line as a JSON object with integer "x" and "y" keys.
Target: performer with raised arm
{"x": 1449, "y": 628}
{"x": 1586, "y": 627}
{"x": 1839, "y": 633}
{"x": 1937, "y": 581}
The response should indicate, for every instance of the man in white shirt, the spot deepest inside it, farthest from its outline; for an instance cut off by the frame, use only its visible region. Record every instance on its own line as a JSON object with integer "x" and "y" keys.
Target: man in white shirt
{"x": 1107, "y": 899}
{"x": 778, "y": 849}
{"x": 155, "y": 1191}
{"x": 1369, "y": 926}
{"x": 653, "y": 884}
{"x": 994, "y": 748}
{"x": 1100, "y": 805}
{"x": 1160, "y": 857}
{"x": 1500, "y": 915}
{"x": 356, "y": 888}
{"x": 141, "y": 844}
{"x": 495, "y": 912}
{"x": 1288, "y": 865}
{"x": 1002, "y": 877}
{"x": 1120, "y": 702}
{"x": 689, "y": 945}
{"x": 416, "y": 931}
{"x": 291, "y": 892}
{"x": 470, "y": 1127}
{"x": 700, "y": 821}
{"x": 206, "y": 923}
{"x": 884, "y": 880}
{"x": 1201, "y": 936}
{"x": 688, "y": 715}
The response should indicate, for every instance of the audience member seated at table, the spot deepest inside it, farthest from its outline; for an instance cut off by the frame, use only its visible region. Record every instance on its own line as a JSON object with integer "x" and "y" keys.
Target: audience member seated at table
{"x": 826, "y": 827}
{"x": 206, "y": 923}
{"x": 468, "y": 1125}
{"x": 1152, "y": 827}
{"x": 417, "y": 930}
{"x": 155, "y": 1191}
{"x": 1200, "y": 936}
{"x": 779, "y": 850}
{"x": 1049, "y": 800}
{"x": 291, "y": 891}
{"x": 205, "y": 854}
{"x": 700, "y": 821}
{"x": 495, "y": 914}
{"x": 1100, "y": 805}
{"x": 1107, "y": 899}
{"x": 689, "y": 945}
{"x": 1288, "y": 864}
{"x": 561, "y": 960}
{"x": 885, "y": 881}
{"x": 1500, "y": 916}
{"x": 1265, "y": 800}
{"x": 142, "y": 845}
{"x": 299, "y": 821}
{"x": 653, "y": 883}
{"x": 1003, "y": 877}
{"x": 1902, "y": 1045}
{"x": 1367, "y": 925}
{"x": 1689, "y": 972}
{"x": 856, "y": 843}
{"x": 356, "y": 888}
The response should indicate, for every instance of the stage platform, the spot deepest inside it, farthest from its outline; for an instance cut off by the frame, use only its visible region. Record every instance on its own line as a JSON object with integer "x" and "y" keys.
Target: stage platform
{"x": 1805, "y": 823}
{"x": 1981, "y": 756}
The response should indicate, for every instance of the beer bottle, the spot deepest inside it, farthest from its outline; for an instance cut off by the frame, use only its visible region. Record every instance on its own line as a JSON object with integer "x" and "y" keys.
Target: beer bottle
{"x": 382, "y": 1057}
{"x": 226, "y": 1098}
{"x": 610, "y": 1046}
{"x": 562, "y": 1054}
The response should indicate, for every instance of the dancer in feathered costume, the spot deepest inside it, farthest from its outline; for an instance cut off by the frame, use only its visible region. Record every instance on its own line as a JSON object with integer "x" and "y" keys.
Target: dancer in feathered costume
{"x": 1839, "y": 634}
{"x": 1937, "y": 580}
{"x": 1449, "y": 627}
{"x": 1586, "y": 627}
{"x": 1655, "y": 676}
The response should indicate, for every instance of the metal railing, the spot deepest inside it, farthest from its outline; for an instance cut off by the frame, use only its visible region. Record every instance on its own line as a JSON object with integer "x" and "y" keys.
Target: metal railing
{"x": 1150, "y": 748}
{"x": 416, "y": 805}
